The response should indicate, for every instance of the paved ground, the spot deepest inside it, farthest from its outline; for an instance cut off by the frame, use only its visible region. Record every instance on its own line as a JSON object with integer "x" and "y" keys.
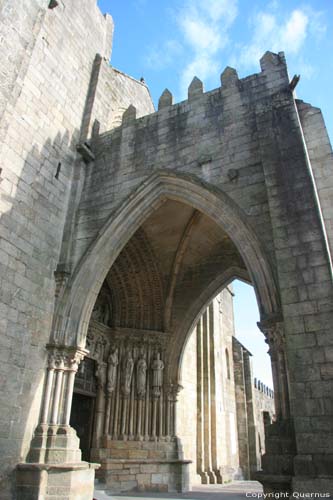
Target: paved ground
{"x": 234, "y": 491}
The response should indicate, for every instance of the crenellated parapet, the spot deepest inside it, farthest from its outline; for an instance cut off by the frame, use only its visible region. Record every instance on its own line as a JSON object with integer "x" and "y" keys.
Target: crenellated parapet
{"x": 273, "y": 75}
{"x": 261, "y": 387}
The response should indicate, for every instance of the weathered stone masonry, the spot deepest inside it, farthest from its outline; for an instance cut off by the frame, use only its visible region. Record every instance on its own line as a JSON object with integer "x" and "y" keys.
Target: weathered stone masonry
{"x": 222, "y": 402}
{"x": 238, "y": 178}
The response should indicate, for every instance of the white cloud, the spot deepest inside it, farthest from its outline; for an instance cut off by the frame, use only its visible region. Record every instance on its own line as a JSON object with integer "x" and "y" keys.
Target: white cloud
{"x": 162, "y": 56}
{"x": 293, "y": 34}
{"x": 204, "y": 28}
{"x": 289, "y": 34}
{"x": 200, "y": 35}
{"x": 202, "y": 66}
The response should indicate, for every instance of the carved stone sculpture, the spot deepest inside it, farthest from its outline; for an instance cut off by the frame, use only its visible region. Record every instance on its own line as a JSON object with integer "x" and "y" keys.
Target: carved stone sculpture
{"x": 101, "y": 311}
{"x": 157, "y": 368}
{"x": 127, "y": 371}
{"x": 99, "y": 349}
{"x": 141, "y": 373}
{"x": 112, "y": 369}
{"x": 101, "y": 374}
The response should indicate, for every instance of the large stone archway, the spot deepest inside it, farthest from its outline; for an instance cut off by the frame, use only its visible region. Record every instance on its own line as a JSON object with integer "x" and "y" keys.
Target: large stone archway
{"x": 246, "y": 157}
{"x": 77, "y": 300}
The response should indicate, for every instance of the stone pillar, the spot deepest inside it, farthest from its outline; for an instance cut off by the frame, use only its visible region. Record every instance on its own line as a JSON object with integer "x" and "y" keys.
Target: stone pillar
{"x": 200, "y": 406}
{"x": 275, "y": 338}
{"x": 207, "y": 403}
{"x": 241, "y": 407}
{"x": 280, "y": 443}
{"x": 100, "y": 402}
{"x": 173, "y": 391}
{"x": 157, "y": 367}
{"x": 62, "y": 366}
{"x": 55, "y": 441}
{"x": 253, "y": 451}
{"x": 54, "y": 450}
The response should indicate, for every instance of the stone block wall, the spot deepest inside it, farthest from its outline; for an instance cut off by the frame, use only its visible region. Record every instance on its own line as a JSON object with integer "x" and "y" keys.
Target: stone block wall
{"x": 187, "y": 406}
{"x": 227, "y": 442}
{"x": 140, "y": 466}
{"x": 242, "y": 141}
{"x": 17, "y": 45}
{"x": 50, "y": 55}
{"x": 245, "y": 140}
{"x": 149, "y": 144}
{"x": 320, "y": 154}
{"x": 265, "y": 412}
{"x": 211, "y": 441}
{"x": 111, "y": 92}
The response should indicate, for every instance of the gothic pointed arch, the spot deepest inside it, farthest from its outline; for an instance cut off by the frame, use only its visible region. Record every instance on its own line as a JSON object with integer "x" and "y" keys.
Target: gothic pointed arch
{"x": 73, "y": 311}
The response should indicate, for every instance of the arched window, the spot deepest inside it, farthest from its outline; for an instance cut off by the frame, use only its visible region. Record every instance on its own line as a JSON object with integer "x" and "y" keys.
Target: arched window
{"x": 227, "y": 363}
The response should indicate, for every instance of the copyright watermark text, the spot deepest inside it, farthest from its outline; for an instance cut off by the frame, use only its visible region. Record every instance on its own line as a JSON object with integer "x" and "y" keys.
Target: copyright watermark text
{"x": 281, "y": 495}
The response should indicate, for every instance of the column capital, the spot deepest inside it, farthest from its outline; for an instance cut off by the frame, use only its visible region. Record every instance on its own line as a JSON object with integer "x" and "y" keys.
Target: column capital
{"x": 172, "y": 391}
{"x": 273, "y": 329}
{"x": 65, "y": 357}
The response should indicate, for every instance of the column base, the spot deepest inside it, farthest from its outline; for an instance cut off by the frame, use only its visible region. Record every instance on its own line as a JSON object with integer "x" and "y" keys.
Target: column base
{"x": 278, "y": 461}
{"x": 313, "y": 473}
{"x": 323, "y": 485}
{"x": 54, "y": 444}
{"x": 62, "y": 481}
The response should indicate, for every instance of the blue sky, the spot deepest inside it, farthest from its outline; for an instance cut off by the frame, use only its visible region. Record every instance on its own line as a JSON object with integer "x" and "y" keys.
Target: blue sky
{"x": 170, "y": 42}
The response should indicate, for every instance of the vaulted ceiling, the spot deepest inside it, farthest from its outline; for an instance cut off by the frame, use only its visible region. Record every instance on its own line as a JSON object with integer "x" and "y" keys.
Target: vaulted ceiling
{"x": 168, "y": 263}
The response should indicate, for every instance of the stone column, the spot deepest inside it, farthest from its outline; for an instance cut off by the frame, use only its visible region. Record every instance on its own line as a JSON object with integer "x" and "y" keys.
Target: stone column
{"x": 72, "y": 359}
{"x": 48, "y": 389}
{"x": 63, "y": 362}
{"x": 173, "y": 391}
{"x": 56, "y": 403}
{"x": 280, "y": 443}
{"x": 275, "y": 338}
{"x": 111, "y": 377}
{"x": 157, "y": 367}
{"x": 107, "y": 413}
{"x": 207, "y": 403}
{"x": 55, "y": 448}
{"x": 200, "y": 406}
{"x": 54, "y": 440}
{"x": 100, "y": 401}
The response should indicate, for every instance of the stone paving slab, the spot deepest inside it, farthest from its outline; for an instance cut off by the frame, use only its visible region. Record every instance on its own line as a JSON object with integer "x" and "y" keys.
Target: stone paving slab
{"x": 233, "y": 491}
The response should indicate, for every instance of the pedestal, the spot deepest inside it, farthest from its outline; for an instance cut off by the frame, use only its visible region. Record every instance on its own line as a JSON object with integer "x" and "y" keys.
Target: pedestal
{"x": 61, "y": 481}
{"x": 278, "y": 461}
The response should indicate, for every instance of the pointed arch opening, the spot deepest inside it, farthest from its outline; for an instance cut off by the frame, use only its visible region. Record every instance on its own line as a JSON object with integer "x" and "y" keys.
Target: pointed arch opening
{"x": 75, "y": 306}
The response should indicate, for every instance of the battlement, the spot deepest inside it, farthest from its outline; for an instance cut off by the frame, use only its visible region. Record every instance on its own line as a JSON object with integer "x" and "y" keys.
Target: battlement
{"x": 264, "y": 389}
{"x": 272, "y": 79}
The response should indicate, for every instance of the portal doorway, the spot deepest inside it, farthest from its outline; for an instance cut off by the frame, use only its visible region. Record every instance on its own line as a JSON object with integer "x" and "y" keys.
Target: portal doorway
{"x": 83, "y": 406}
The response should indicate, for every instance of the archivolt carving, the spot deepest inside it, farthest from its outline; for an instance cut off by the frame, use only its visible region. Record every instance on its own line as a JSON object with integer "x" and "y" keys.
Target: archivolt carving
{"x": 136, "y": 286}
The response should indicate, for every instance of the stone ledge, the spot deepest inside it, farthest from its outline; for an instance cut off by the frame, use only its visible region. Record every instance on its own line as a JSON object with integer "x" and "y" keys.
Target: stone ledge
{"x": 62, "y": 467}
{"x": 147, "y": 461}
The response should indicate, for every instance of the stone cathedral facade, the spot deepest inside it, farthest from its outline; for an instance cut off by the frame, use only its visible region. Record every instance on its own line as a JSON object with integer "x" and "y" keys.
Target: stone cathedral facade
{"x": 121, "y": 221}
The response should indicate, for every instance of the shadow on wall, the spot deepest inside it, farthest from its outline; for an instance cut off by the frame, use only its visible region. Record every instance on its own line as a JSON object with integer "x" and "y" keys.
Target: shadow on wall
{"x": 34, "y": 196}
